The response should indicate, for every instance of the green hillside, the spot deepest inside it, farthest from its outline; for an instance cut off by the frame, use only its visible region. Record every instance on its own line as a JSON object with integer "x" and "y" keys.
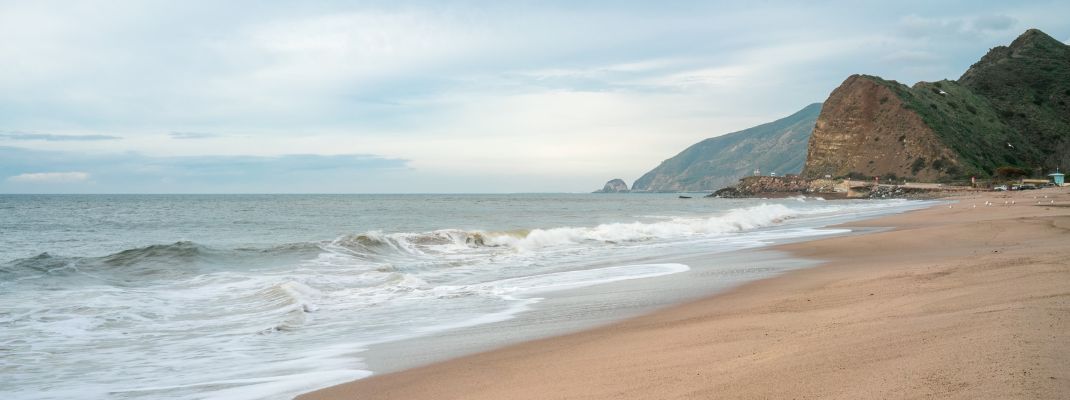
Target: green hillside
{"x": 1011, "y": 108}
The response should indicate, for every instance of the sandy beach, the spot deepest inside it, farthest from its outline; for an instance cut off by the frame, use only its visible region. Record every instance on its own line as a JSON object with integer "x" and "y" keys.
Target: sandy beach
{"x": 968, "y": 301}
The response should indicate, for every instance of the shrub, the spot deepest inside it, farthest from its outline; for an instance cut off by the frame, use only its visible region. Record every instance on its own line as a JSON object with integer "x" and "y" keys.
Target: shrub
{"x": 918, "y": 164}
{"x": 1008, "y": 172}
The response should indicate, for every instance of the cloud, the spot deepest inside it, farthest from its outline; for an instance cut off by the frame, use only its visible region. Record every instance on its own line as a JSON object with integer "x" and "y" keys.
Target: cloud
{"x": 706, "y": 77}
{"x": 910, "y": 57}
{"x": 135, "y": 172}
{"x": 558, "y": 88}
{"x": 272, "y": 165}
{"x": 993, "y": 23}
{"x": 50, "y": 177}
{"x": 193, "y": 135}
{"x": 54, "y": 138}
{"x": 956, "y": 26}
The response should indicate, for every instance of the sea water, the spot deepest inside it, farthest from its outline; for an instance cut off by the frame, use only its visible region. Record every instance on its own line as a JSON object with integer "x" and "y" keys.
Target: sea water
{"x": 268, "y": 296}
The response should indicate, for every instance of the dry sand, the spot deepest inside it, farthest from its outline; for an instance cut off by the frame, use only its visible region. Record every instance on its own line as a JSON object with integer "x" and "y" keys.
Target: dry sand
{"x": 958, "y": 302}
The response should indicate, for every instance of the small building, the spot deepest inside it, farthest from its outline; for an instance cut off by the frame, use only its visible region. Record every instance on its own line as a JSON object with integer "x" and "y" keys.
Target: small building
{"x": 1057, "y": 178}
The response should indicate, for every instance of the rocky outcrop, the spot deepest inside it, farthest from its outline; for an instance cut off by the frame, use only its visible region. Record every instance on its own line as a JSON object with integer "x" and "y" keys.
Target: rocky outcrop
{"x": 866, "y": 130}
{"x": 778, "y": 146}
{"x": 1012, "y": 108}
{"x": 614, "y": 186}
{"x": 789, "y": 186}
{"x": 766, "y": 186}
{"x": 900, "y": 192}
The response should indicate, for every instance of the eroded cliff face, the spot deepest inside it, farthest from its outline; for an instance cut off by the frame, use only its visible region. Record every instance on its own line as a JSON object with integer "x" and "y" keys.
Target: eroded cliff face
{"x": 865, "y": 129}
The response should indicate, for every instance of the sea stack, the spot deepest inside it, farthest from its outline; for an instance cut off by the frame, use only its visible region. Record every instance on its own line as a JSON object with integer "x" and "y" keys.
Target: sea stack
{"x": 614, "y": 186}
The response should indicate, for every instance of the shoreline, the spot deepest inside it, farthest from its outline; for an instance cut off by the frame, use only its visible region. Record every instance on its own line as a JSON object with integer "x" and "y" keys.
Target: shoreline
{"x": 576, "y": 310}
{"x": 927, "y": 310}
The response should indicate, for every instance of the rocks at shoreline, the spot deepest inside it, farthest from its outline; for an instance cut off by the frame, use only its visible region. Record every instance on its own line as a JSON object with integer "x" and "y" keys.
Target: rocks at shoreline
{"x": 786, "y": 186}
{"x": 900, "y": 192}
{"x": 765, "y": 186}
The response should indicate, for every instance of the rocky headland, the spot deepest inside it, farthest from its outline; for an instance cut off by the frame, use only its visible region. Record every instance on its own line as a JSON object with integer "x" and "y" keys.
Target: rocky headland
{"x": 1009, "y": 111}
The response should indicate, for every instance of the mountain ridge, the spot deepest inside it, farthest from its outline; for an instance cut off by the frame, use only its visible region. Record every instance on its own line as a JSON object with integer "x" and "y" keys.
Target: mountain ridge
{"x": 1009, "y": 109}
{"x": 777, "y": 146}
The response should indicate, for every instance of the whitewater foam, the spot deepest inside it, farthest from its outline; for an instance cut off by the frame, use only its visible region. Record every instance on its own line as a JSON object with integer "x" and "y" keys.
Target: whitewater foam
{"x": 242, "y": 318}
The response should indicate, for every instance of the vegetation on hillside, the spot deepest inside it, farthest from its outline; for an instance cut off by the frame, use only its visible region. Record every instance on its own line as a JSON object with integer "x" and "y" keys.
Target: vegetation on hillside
{"x": 1028, "y": 83}
{"x": 1011, "y": 109}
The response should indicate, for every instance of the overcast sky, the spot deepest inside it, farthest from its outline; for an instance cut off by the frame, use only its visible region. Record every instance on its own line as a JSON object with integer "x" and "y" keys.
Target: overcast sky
{"x": 436, "y": 96}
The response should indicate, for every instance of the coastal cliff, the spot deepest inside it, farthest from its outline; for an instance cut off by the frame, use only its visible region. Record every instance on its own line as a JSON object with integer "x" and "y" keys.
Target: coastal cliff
{"x": 1012, "y": 108}
{"x": 866, "y": 129}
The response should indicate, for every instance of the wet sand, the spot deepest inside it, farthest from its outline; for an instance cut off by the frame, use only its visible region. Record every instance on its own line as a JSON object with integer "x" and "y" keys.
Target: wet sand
{"x": 971, "y": 301}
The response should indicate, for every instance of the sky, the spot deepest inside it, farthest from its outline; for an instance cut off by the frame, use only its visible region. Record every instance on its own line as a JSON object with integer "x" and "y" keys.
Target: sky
{"x": 149, "y": 96}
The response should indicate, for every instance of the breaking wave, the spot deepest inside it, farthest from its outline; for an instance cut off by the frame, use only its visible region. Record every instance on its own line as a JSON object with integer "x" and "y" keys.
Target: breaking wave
{"x": 271, "y": 310}
{"x": 184, "y": 258}
{"x": 377, "y": 244}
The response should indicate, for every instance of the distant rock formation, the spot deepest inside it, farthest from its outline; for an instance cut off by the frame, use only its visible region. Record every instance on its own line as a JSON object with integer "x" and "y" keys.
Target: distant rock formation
{"x": 778, "y": 146}
{"x": 1011, "y": 108}
{"x": 614, "y": 186}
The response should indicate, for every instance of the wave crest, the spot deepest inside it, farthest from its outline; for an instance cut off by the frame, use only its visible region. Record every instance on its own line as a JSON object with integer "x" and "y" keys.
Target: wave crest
{"x": 733, "y": 221}
{"x": 379, "y": 246}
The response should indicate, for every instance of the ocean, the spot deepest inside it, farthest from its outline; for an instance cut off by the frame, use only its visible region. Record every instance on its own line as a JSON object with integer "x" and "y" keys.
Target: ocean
{"x": 269, "y": 296}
